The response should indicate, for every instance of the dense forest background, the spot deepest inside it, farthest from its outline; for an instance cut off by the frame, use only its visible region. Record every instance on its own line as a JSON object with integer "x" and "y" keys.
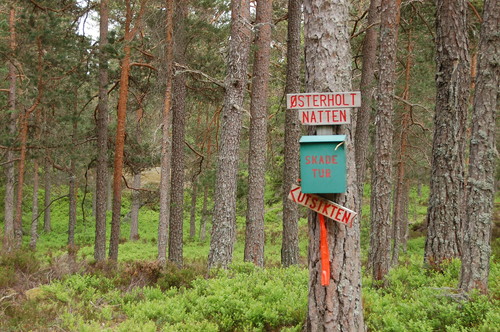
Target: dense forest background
{"x": 122, "y": 134}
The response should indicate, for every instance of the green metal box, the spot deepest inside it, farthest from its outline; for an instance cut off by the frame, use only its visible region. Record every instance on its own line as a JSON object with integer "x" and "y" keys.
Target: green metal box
{"x": 323, "y": 164}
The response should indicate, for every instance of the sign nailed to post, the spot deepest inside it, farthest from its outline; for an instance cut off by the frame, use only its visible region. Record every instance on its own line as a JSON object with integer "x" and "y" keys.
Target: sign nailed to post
{"x": 325, "y": 117}
{"x": 323, "y": 100}
{"x": 322, "y": 206}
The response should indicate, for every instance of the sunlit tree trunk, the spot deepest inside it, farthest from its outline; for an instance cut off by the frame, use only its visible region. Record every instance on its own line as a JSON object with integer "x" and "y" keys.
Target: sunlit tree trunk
{"x": 338, "y": 306}
{"x": 483, "y": 156}
{"x": 224, "y": 218}
{"x": 446, "y": 202}
{"x": 101, "y": 185}
{"x": 120, "y": 129}
{"x": 254, "y": 241}
{"x": 290, "y": 238}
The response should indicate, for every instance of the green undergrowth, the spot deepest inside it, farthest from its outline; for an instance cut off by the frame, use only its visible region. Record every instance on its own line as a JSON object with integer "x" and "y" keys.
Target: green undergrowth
{"x": 52, "y": 290}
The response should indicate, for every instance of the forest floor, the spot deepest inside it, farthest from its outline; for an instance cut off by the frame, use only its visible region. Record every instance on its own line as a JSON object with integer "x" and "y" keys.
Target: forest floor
{"x": 57, "y": 289}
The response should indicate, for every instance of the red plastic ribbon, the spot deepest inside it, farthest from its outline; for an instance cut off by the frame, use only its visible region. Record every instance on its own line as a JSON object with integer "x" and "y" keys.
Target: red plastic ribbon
{"x": 325, "y": 254}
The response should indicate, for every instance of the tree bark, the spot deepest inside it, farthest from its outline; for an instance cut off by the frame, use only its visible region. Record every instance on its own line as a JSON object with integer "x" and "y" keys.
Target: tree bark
{"x": 254, "y": 240}
{"x": 101, "y": 191}
{"x": 224, "y": 219}
{"x": 290, "y": 237}
{"x": 380, "y": 205}
{"x": 400, "y": 200}
{"x": 10, "y": 173}
{"x": 483, "y": 156}
{"x": 446, "y": 201}
{"x": 364, "y": 115}
{"x": 166, "y": 145}
{"x": 121, "y": 116}
{"x": 175, "y": 239}
{"x": 338, "y": 306}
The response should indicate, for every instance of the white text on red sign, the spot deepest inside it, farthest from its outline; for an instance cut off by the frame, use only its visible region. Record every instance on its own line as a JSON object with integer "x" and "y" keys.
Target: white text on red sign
{"x": 323, "y": 206}
{"x": 325, "y": 117}
{"x": 323, "y": 100}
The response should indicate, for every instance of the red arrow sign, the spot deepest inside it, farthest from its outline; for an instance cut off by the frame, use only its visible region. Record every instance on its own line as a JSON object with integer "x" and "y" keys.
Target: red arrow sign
{"x": 323, "y": 206}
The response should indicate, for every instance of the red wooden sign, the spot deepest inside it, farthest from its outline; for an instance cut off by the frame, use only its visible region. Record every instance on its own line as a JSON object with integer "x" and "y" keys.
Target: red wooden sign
{"x": 325, "y": 117}
{"x": 323, "y": 100}
{"x": 323, "y": 206}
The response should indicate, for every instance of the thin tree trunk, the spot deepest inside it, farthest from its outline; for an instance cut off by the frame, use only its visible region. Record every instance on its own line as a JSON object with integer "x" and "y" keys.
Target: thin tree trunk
{"x": 34, "y": 208}
{"x": 224, "y": 218}
{"x": 72, "y": 205}
{"x": 483, "y": 157}
{"x": 10, "y": 173}
{"x": 101, "y": 184}
{"x": 290, "y": 237}
{"x": 446, "y": 201}
{"x": 192, "y": 217}
{"x": 166, "y": 146}
{"x": 338, "y": 306}
{"x": 47, "y": 226}
{"x": 254, "y": 241}
{"x": 399, "y": 195}
{"x": 134, "y": 209}
{"x": 18, "y": 226}
{"x": 364, "y": 115}
{"x": 73, "y": 188}
{"x": 204, "y": 215}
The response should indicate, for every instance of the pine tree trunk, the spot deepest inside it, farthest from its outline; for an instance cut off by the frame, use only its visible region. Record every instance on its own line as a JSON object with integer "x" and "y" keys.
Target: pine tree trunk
{"x": 338, "y": 306}
{"x": 120, "y": 139}
{"x": 380, "y": 205}
{"x": 290, "y": 237}
{"x": 224, "y": 219}
{"x": 175, "y": 239}
{"x": 400, "y": 201}
{"x": 192, "y": 217}
{"x": 10, "y": 173}
{"x": 166, "y": 145}
{"x": 446, "y": 201}
{"x": 18, "y": 226}
{"x": 254, "y": 241}
{"x": 483, "y": 157}
{"x": 134, "y": 209}
{"x": 34, "y": 207}
{"x": 364, "y": 115}
{"x": 73, "y": 188}
{"x": 47, "y": 220}
{"x": 72, "y": 205}
{"x": 101, "y": 185}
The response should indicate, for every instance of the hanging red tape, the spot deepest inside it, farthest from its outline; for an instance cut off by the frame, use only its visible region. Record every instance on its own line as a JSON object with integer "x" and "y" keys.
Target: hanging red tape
{"x": 325, "y": 255}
